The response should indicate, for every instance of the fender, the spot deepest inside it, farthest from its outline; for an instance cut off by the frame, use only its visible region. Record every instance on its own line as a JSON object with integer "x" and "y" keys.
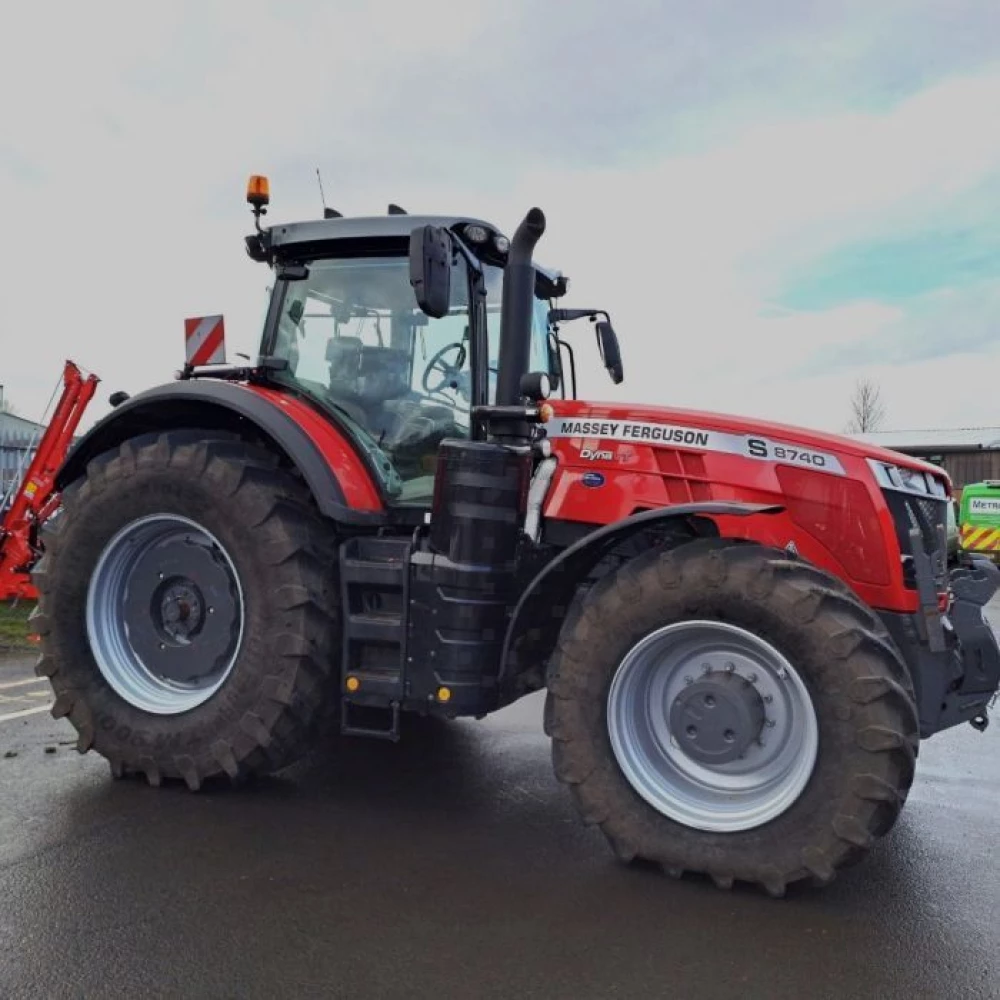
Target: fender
{"x": 338, "y": 478}
{"x": 559, "y": 578}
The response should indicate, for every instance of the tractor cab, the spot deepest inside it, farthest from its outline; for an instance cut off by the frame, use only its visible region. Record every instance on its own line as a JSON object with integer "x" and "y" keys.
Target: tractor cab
{"x": 345, "y": 330}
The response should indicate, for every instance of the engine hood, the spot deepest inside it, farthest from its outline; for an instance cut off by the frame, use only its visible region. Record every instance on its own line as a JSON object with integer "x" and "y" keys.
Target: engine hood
{"x": 736, "y": 425}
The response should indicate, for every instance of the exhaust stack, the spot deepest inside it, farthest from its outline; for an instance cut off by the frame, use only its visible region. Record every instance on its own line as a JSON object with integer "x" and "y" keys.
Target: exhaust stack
{"x": 516, "y": 308}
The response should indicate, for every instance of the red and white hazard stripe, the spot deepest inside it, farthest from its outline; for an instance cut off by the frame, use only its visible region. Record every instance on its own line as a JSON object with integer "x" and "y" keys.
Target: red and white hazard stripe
{"x": 205, "y": 340}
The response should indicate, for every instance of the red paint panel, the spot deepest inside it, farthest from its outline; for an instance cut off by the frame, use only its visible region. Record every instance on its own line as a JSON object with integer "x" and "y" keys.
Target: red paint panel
{"x": 633, "y": 475}
{"x": 359, "y": 490}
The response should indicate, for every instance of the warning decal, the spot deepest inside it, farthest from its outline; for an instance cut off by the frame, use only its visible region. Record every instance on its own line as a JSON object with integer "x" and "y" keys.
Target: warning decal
{"x": 205, "y": 340}
{"x": 980, "y": 539}
{"x": 698, "y": 439}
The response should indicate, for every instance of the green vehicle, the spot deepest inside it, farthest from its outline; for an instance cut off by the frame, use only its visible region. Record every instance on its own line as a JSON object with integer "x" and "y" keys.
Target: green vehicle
{"x": 979, "y": 519}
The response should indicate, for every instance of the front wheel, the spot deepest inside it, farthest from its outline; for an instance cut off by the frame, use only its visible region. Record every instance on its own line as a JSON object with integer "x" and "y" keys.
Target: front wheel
{"x": 722, "y": 709}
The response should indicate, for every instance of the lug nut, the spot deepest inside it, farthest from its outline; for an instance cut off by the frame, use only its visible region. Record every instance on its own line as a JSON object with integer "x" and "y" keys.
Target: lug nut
{"x": 689, "y": 680}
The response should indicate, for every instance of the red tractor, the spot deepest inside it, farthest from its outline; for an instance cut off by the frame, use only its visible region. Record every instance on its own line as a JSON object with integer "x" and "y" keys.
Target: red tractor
{"x": 743, "y": 630}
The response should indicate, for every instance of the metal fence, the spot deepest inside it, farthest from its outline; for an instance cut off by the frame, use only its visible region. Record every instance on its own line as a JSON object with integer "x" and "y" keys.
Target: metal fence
{"x": 16, "y": 451}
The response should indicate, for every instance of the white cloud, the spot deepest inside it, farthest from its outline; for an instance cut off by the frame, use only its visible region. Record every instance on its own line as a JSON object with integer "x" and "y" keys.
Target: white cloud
{"x": 127, "y": 152}
{"x": 687, "y": 254}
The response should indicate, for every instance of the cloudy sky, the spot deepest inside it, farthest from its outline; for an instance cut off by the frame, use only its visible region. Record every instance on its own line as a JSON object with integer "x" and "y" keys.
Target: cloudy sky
{"x": 772, "y": 199}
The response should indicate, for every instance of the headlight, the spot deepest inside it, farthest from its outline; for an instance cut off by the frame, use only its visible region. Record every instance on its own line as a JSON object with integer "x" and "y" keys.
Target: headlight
{"x": 898, "y": 477}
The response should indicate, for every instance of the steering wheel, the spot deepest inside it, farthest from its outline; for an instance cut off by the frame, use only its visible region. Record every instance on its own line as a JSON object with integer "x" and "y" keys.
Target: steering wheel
{"x": 450, "y": 373}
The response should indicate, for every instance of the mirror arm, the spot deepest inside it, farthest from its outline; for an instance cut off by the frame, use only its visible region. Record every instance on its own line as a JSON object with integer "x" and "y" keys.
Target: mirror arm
{"x": 572, "y": 362}
{"x": 568, "y": 315}
{"x": 471, "y": 259}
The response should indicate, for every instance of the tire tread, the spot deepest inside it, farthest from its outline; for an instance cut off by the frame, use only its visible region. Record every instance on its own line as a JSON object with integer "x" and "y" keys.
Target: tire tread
{"x": 865, "y": 669}
{"x": 297, "y": 685}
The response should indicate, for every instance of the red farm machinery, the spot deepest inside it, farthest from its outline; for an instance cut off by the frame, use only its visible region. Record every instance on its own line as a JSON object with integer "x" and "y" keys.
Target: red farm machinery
{"x": 32, "y": 498}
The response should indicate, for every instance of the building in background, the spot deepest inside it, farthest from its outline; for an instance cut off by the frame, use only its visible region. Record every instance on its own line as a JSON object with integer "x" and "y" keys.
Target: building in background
{"x": 17, "y": 439}
{"x": 967, "y": 454}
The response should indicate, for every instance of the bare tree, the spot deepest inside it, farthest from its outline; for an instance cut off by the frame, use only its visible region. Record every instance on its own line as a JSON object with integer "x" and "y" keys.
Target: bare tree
{"x": 867, "y": 410}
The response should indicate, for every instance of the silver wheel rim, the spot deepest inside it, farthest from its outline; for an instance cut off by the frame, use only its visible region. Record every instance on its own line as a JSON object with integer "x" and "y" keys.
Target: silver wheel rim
{"x": 648, "y": 691}
{"x": 165, "y": 614}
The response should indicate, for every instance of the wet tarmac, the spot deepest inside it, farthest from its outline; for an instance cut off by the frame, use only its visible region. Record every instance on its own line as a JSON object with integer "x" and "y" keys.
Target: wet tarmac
{"x": 453, "y": 865}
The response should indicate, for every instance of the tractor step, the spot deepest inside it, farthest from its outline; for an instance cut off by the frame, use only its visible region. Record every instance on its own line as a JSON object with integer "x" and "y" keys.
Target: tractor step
{"x": 350, "y": 725}
{"x": 374, "y": 580}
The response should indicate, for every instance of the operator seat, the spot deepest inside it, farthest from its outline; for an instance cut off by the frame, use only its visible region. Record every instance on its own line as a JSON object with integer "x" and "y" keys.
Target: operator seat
{"x": 364, "y": 379}
{"x": 374, "y": 382}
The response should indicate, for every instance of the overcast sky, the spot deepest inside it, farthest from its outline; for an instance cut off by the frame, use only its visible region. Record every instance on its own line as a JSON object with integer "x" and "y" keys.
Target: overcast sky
{"x": 772, "y": 199}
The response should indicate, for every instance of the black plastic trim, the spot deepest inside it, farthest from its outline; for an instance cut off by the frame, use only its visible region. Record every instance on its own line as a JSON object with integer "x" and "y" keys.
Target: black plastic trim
{"x": 582, "y": 555}
{"x": 166, "y": 406}
{"x": 955, "y": 679}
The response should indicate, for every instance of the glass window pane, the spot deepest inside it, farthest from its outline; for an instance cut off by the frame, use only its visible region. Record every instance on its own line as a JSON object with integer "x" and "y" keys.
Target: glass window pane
{"x": 356, "y": 340}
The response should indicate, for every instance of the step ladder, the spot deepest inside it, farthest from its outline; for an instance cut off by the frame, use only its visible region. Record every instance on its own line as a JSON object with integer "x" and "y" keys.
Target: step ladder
{"x": 374, "y": 581}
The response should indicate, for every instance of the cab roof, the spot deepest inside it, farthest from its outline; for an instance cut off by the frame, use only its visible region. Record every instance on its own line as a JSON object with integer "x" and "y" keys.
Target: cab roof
{"x": 379, "y": 227}
{"x": 371, "y": 226}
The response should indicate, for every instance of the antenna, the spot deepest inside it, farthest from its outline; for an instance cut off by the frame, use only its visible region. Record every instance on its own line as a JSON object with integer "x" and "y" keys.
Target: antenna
{"x": 322, "y": 196}
{"x": 328, "y": 213}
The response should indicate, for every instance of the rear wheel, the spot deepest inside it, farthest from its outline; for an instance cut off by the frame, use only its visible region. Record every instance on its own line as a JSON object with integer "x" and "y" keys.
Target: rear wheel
{"x": 722, "y": 709}
{"x": 188, "y": 610}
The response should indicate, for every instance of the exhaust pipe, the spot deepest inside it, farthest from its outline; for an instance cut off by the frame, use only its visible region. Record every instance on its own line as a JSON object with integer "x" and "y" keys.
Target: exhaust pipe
{"x": 517, "y": 307}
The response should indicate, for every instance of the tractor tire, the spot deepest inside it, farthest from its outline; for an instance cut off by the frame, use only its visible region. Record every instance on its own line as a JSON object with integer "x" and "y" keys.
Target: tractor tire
{"x": 723, "y": 709}
{"x": 188, "y": 612}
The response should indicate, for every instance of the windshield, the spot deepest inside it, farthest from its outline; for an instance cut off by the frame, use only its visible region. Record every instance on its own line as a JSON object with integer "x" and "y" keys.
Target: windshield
{"x": 356, "y": 340}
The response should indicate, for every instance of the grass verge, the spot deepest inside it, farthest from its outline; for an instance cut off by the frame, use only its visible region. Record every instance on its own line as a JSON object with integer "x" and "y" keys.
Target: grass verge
{"x": 14, "y": 628}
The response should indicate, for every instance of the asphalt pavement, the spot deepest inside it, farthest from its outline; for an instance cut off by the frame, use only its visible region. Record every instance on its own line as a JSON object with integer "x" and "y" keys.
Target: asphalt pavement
{"x": 453, "y": 865}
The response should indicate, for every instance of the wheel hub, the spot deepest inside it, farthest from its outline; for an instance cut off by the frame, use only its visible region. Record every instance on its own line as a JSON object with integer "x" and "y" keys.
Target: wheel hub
{"x": 165, "y": 614}
{"x": 717, "y": 718}
{"x": 712, "y": 725}
{"x": 181, "y": 610}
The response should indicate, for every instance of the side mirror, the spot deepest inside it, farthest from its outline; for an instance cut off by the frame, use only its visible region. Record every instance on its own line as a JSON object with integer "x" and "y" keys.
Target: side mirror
{"x": 430, "y": 269}
{"x": 611, "y": 355}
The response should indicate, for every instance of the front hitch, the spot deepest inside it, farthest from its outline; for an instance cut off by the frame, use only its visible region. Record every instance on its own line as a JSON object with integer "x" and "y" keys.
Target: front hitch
{"x": 976, "y": 582}
{"x": 972, "y": 587}
{"x": 952, "y": 653}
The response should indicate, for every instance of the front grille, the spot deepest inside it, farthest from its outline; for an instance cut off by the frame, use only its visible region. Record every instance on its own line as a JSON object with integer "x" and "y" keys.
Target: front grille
{"x": 930, "y": 516}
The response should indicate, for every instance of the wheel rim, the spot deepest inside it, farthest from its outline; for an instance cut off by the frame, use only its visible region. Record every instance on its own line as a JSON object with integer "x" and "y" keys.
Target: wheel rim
{"x": 165, "y": 614}
{"x": 712, "y": 726}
